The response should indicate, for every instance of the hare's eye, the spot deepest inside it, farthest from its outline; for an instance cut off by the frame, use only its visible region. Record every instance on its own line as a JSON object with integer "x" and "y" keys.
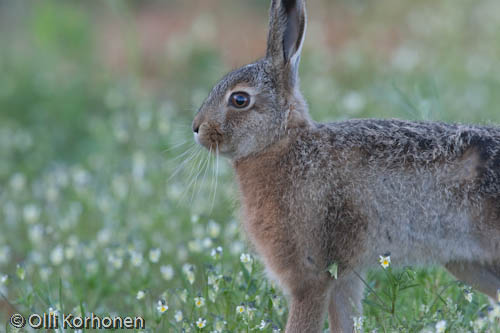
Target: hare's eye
{"x": 239, "y": 100}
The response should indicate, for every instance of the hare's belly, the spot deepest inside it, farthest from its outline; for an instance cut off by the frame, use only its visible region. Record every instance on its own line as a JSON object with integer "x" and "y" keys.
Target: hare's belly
{"x": 420, "y": 224}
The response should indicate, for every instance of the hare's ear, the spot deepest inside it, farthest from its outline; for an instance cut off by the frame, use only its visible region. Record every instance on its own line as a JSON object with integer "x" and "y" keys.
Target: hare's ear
{"x": 287, "y": 29}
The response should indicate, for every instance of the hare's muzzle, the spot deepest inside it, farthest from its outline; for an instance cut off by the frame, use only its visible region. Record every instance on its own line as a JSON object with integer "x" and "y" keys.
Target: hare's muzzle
{"x": 206, "y": 133}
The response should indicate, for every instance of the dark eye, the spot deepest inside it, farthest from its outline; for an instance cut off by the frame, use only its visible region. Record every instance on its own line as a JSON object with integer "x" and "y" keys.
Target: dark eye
{"x": 239, "y": 100}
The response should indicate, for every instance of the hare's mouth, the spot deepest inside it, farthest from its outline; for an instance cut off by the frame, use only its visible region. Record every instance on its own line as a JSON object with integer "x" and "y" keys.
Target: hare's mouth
{"x": 209, "y": 136}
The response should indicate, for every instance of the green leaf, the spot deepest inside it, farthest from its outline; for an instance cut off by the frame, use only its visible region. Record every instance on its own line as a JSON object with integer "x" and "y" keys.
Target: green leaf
{"x": 333, "y": 270}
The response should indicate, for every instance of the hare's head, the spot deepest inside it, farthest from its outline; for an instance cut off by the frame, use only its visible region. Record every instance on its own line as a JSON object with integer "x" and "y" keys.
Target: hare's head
{"x": 252, "y": 107}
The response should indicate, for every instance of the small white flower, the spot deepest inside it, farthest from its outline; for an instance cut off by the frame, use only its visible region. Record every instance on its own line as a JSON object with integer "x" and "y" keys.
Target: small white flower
{"x": 136, "y": 258}
{"x": 183, "y": 295}
{"x": 213, "y": 229}
{"x": 207, "y": 243}
{"x": 4, "y": 254}
{"x": 441, "y": 326}
{"x": 53, "y": 311}
{"x": 219, "y": 325}
{"x": 199, "y": 302}
{"x": 200, "y": 323}
{"x": 115, "y": 261}
{"x": 31, "y": 213}
{"x": 154, "y": 255}
{"x": 167, "y": 272}
{"x": 245, "y": 258}
{"x": 250, "y": 312}
{"x": 385, "y": 261}
{"x": 35, "y": 233}
{"x": 195, "y": 246}
{"x": 262, "y": 325}
{"x": 104, "y": 236}
{"x": 212, "y": 295}
{"x": 45, "y": 273}
{"x": 468, "y": 296}
{"x": 236, "y": 247}
{"x": 178, "y": 316}
{"x": 240, "y": 309}
{"x": 214, "y": 280}
{"x": 189, "y": 271}
{"x": 3, "y": 278}
{"x": 353, "y": 102}
{"x": 358, "y": 323}
{"x": 162, "y": 306}
{"x": 494, "y": 314}
{"x": 140, "y": 295}
{"x": 478, "y": 324}
{"x": 18, "y": 181}
{"x": 215, "y": 253}
{"x": 57, "y": 255}
{"x": 69, "y": 252}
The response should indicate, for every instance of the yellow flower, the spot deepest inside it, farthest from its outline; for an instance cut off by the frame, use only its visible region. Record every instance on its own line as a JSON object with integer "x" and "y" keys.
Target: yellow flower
{"x": 162, "y": 307}
{"x": 385, "y": 261}
{"x": 200, "y": 323}
{"x": 199, "y": 302}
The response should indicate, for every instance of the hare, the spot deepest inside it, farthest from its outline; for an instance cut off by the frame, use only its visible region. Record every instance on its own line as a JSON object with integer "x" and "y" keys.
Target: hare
{"x": 314, "y": 194}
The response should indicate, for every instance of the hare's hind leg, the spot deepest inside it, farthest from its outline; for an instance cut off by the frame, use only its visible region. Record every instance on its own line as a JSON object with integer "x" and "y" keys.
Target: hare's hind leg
{"x": 345, "y": 304}
{"x": 483, "y": 277}
{"x": 307, "y": 308}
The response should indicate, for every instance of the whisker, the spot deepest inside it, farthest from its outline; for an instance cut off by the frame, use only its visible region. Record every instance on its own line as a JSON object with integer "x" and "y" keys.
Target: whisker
{"x": 196, "y": 163}
{"x": 213, "y": 179}
{"x": 194, "y": 166}
{"x": 200, "y": 167}
{"x": 190, "y": 149}
{"x": 205, "y": 173}
{"x": 203, "y": 165}
{"x": 177, "y": 145}
{"x": 181, "y": 165}
{"x": 216, "y": 175}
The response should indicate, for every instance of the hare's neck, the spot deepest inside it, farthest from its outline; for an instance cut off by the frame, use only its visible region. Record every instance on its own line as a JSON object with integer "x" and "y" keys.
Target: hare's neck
{"x": 259, "y": 176}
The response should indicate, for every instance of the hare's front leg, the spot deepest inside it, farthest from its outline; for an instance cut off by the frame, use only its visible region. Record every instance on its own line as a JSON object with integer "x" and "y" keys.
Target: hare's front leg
{"x": 307, "y": 307}
{"x": 485, "y": 278}
{"x": 345, "y": 304}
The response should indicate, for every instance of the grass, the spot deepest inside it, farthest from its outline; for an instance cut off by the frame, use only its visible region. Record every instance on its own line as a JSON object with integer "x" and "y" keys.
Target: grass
{"x": 106, "y": 205}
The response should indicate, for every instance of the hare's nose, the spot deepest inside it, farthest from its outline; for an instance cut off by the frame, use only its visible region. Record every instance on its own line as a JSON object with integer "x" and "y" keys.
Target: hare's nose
{"x": 198, "y": 120}
{"x": 196, "y": 128}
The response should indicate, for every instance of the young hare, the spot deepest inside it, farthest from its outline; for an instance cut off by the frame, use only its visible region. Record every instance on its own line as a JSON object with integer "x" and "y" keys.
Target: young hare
{"x": 315, "y": 194}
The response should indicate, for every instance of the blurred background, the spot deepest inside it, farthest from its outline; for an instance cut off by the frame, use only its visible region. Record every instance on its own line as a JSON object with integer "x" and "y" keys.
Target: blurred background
{"x": 102, "y": 194}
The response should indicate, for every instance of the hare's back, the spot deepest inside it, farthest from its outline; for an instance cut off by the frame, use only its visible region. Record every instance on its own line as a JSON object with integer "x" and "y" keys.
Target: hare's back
{"x": 396, "y": 144}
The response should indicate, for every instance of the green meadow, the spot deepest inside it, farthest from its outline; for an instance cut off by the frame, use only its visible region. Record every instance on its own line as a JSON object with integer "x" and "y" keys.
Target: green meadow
{"x": 107, "y": 206}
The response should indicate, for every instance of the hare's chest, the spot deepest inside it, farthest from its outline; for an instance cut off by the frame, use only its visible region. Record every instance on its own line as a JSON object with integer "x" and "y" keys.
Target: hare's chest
{"x": 268, "y": 229}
